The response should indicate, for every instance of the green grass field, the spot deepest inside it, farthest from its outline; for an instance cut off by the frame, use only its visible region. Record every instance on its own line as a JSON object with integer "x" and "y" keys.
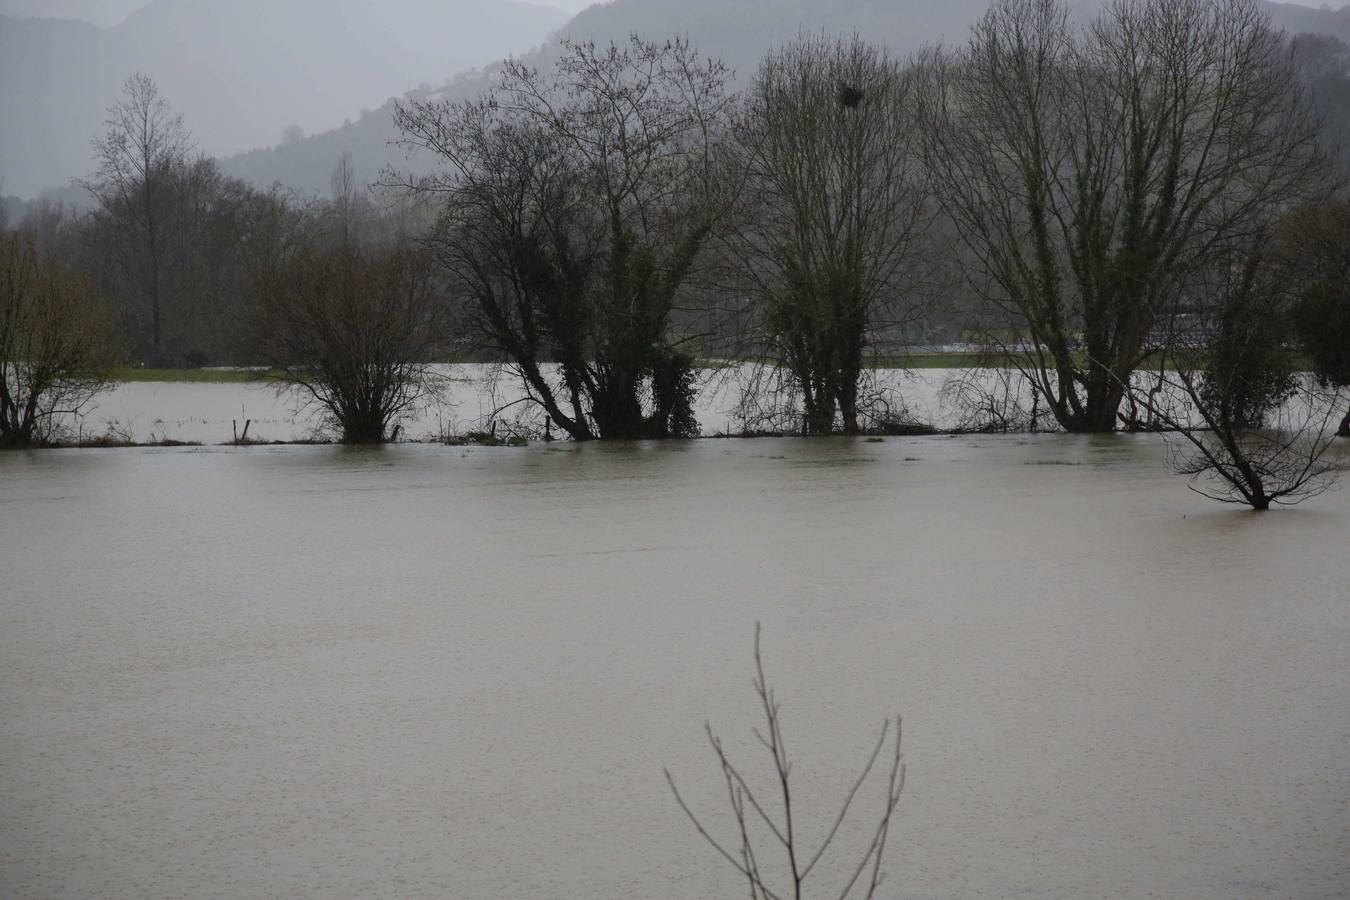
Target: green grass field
{"x": 932, "y": 361}
{"x": 255, "y": 376}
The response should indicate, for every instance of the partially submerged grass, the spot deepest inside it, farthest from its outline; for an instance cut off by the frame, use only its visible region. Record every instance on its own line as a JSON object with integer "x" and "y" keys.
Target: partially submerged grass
{"x": 486, "y": 439}
{"x": 115, "y": 440}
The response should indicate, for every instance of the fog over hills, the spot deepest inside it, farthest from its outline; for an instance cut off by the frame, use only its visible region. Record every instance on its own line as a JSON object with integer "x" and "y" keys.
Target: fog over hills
{"x": 240, "y": 72}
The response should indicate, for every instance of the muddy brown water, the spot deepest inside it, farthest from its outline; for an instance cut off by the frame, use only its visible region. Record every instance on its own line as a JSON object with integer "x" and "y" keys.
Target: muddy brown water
{"x": 427, "y": 671}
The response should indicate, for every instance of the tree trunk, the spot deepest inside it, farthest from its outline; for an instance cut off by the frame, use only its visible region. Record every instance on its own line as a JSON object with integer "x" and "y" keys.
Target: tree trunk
{"x": 152, "y": 241}
{"x": 846, "y": 392}
{"x": 618, "y": 410}
{"x": 818, "y": 412}
{"x": 361, "y": 425}
{"x": 575, "y": 427}
{"x": 1104, "y": 396}
{"x": 848, "y": 408}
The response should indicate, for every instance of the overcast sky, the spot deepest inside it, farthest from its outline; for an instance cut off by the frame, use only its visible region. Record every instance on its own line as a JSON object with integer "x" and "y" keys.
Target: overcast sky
{"x": 110, "y": 12}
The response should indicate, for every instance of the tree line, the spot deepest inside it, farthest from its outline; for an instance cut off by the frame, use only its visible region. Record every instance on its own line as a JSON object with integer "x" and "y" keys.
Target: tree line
{"x": 1140, "y": 216}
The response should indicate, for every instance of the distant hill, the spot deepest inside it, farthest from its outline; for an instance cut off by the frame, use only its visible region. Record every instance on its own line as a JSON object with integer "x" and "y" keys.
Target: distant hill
{"x": 739, "y": 32}
{"x": 240, "y": 71}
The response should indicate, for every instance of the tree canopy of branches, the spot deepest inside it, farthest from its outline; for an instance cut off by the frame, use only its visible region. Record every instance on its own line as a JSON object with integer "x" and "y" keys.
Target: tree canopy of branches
{"x": 1314, "y": 251}
{"x": 1095, "y": 173}
{"x": 575, "y": 204}
{"x": 56, "y": 345}
{"x": 829, "y": 235}
{"x": 142, "y": 153}
{"x": 1251, "y": 431}
{"x": 354, "y": 332}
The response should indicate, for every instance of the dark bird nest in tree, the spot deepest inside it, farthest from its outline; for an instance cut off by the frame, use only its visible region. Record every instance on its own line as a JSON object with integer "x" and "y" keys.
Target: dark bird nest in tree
{"x": 849, "y": 96}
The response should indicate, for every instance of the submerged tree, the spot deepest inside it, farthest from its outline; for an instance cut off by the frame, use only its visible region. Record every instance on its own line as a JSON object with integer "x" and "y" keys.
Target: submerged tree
{"x": 1095, "y": 173}
{"x": 1251, "y": 431}
{"x": 56, "y": 345}
{"x": 829, "y": 236}
{"x": 354, "y": 331}
{"x": 575, "y": 204}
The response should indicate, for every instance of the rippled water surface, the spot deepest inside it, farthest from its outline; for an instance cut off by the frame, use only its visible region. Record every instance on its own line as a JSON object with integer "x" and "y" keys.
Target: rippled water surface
{"x": 426, "y": 671}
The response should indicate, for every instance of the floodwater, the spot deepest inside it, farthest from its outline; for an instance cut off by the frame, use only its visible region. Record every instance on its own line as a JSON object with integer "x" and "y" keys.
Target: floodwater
{"x": 423, "y": 671}
{"x": 473, "y": 396}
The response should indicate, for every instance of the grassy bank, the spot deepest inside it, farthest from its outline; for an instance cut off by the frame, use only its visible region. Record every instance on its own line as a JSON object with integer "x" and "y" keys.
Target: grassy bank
{"x": 190, "y": 376}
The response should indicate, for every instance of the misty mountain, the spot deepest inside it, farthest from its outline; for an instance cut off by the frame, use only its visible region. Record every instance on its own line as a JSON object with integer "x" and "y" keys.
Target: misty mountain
{"x": 241, "y": 72}
{"x": 738, "y": 32}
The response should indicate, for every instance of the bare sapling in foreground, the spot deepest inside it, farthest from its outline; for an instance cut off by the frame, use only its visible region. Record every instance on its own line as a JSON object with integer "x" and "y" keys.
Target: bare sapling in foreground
{"x": 764, "y": 830}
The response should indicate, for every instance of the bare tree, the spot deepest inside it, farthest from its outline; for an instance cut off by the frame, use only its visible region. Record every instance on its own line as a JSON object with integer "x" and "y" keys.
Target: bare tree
{"x": 346, "y": 200}
{"x": 753, "y": 812}
{"x": 1313, "y": 254}
{"x": 144, "y": 148}
{"x": 354, "y": 332}
{"x": 1244, "y": 426}
{"x": 830, "y": 235}
{"x": 56, "y": 345}
{"x": 575, "y": 204}
{"x": 1094, "y": 172}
